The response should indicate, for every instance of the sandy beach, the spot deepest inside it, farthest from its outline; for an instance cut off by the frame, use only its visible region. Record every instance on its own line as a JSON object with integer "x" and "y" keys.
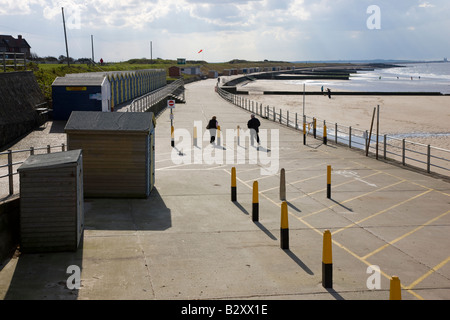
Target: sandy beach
{"x": 422, "y": 119}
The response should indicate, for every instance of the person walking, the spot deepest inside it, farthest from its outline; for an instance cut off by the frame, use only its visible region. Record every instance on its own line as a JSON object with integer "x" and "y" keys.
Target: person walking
{"x": 212, "y": 127}
{"x": 253, "y": 124}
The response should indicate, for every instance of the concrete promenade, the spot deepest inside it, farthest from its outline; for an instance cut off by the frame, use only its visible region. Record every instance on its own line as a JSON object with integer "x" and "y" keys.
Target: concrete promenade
{"x": 188, "y": 240}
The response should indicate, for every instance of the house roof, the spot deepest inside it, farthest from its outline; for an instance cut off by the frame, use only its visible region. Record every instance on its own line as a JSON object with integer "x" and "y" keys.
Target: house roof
{"x": 11, "y": 42}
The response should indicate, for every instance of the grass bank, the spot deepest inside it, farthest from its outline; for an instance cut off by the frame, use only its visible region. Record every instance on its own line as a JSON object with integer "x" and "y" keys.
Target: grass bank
{"x": 47, "y": 73}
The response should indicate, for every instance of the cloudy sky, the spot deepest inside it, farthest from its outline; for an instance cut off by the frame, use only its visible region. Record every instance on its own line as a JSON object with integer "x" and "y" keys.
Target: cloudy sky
{"x": 289, "y": 30}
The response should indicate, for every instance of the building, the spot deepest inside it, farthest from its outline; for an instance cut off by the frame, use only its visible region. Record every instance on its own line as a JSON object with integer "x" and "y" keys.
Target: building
{"x": 19, "y": 45}
{"x": 51, "y": 202}
{"x": 191, "y": 70}
{"x": 174, "y": 71}
{"x": 102, "y": 91}
{"x": 118, "y": 152}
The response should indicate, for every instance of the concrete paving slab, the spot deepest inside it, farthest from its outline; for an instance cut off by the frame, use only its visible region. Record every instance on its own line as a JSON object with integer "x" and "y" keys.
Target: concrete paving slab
{"x": 188, "y": 240}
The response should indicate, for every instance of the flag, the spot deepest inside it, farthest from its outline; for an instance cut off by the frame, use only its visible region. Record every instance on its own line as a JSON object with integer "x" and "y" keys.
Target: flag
{"x": 200, "y": 50}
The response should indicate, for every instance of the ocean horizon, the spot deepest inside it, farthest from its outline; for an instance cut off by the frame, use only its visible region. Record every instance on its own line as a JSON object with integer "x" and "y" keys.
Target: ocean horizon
{"x": 414, "y": 77}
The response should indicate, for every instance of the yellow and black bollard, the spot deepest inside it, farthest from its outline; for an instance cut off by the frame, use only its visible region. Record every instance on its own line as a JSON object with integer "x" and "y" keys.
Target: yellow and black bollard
{"x": 233, "y": 184}
{"x": 314, "y": 127}
{"x": 304, "y": 133}
{"x": 172, "y": 136}
{"x": 238, "y": 135}
{"x": 284, "y": 229}
{"x": 327, "y": 261}
{"x": 325, "y": 134}
{"x": 395, "y": 292}
{"x": 255, "y": 202}
{"x": 328, "y": 182}
{"x": 218, "y": 135}
{"x": 195, "y": 136}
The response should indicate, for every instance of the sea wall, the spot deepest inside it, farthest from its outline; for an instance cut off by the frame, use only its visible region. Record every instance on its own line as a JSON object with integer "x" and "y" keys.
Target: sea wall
{"x": 19, "y": 95}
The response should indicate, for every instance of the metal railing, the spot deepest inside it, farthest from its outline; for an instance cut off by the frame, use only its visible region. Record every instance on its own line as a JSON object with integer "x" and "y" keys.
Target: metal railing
{"x": 13, "y": 60}
{"x": 426, "y": 157}
{"x": 11, "y": 160}
{"x": 145, "y": 102}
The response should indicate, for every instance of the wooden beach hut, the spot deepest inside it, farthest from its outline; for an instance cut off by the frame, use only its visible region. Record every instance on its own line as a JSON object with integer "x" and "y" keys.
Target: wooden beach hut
{"x": 118, "y": 152}
{"x": 51, "y": 202}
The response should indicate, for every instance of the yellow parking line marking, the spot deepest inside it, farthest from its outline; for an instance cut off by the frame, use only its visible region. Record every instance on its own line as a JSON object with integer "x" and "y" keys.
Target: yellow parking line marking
{"x": 412, "y": 182}
{"x": 351, "y": 199}
{"x": 405, "y": 235}
{"x": 382, "y": 211}
{"x": 426, "y": 275}
{"x": 335, "y": 242}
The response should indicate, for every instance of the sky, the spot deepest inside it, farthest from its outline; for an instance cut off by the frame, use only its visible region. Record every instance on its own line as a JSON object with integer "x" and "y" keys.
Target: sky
{"x": 282, "y": 30}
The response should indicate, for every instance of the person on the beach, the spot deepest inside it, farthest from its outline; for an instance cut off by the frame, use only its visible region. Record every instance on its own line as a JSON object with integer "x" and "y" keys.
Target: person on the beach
{"x": 329, "y": 93}
{"x": 253, "y": 124}
{"x": 212, "y": 127}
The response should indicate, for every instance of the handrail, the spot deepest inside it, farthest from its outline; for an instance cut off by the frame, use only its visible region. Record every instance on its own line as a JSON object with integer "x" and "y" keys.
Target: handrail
{"x": 431, "y": 157}
{"x": 150, "y": 99}
{"x": 11, "y": 165}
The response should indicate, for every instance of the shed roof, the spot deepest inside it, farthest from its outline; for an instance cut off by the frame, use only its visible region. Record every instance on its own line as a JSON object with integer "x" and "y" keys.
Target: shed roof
{"x": 85, "y": 80}
{"x": 111, "y": 121}
{"x": 51, "y": 160}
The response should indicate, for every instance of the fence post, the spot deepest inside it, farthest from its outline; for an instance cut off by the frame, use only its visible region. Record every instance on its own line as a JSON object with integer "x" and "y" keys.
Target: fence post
{"x": 48, "y": 148}
{"x": 287, "y": 118}
{"x": 428, "y": 158}
{"x": 335, "y": 132}
{"x": 384, "y": 146}
{"x": 10, "y": 173}
{"x": 403, "y": 151}
{"x": 349, "y": 137}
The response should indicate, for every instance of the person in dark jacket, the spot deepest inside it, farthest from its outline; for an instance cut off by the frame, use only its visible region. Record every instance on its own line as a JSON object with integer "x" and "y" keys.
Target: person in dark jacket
{"x": 254, "y": 124}
{"x": 212, "y": 127}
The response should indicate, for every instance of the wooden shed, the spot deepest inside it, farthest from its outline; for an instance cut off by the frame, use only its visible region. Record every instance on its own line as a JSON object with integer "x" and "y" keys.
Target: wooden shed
{"x": 51, "y": 202}
{"x": 118, "y": 152}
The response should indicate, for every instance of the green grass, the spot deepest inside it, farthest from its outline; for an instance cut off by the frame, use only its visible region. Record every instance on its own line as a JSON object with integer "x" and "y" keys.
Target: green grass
{"x": 47, "y": 73}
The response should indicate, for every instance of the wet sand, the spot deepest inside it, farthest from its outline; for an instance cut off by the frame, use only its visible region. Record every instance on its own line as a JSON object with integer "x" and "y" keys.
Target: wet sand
{"x": 422, "y": 119}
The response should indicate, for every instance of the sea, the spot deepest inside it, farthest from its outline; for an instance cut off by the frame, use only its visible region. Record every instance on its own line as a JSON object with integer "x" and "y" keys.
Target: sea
{"x": 411, "y": 77}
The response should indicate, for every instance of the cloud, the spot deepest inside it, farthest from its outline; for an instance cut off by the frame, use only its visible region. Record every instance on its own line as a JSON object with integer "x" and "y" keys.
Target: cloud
{"x": 426, "y": 5}
{"x": 15, "y": 7}
{"x": 226, "y": 29}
